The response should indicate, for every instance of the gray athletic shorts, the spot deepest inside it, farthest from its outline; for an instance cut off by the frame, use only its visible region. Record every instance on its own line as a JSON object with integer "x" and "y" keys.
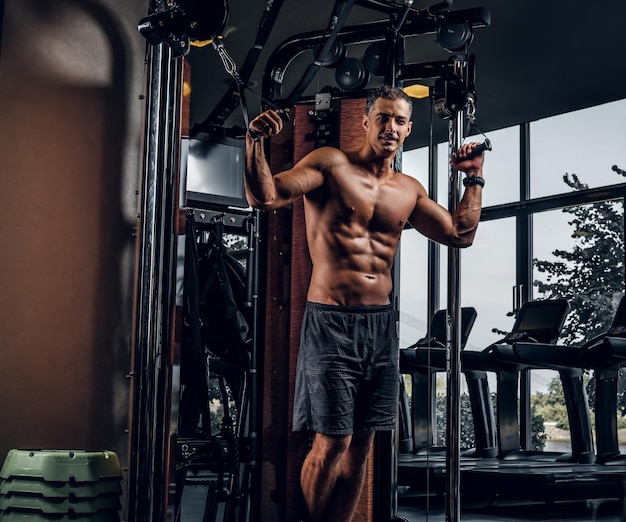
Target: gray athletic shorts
{"x": 347, "y": 372}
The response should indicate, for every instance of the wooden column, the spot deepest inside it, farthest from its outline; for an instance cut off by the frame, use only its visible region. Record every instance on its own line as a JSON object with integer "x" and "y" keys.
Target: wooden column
{"x": 289, "y": 270}
{"x": 351, "y": 137}
{"x": 297, "y": 443}
{"x": 276, "y": 384}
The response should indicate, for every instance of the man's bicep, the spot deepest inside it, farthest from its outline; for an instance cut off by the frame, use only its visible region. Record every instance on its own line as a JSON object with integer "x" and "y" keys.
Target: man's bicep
{"x": 298, "y": 181}
{"x": 432, "y": 220}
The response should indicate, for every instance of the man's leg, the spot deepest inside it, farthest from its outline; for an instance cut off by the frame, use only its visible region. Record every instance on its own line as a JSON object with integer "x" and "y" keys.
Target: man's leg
{"x": 332, "y": 475}
{"x": 320, "y": 470}
{"x": 350, "y": 478}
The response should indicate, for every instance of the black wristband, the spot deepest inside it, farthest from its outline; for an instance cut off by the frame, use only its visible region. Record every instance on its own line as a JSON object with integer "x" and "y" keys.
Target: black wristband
{"x": 473, "y": 180}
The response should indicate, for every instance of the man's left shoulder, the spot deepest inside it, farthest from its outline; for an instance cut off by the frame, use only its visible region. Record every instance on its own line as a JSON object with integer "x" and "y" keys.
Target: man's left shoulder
{"x": 407, "y": 181}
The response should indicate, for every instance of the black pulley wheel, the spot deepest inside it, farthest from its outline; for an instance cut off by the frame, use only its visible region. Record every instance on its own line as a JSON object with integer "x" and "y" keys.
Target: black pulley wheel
{"x": 454, "y": 37}
{"x": 332, "y": 56}
{"x": 351, "y": 75}
{"x": 374, "y": 58}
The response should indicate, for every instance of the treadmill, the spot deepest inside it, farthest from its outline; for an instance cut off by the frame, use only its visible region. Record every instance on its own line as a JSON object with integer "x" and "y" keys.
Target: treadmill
{"x": 580, "y": 474}
{"x": 606, "y": 354}
{"x": 531, "y": 345}
{"x": 421, "y": 463}
{"x": 538, "y": 323}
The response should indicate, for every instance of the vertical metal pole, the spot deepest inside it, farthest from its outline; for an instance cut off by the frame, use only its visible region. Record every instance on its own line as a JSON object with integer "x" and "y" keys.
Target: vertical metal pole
{"x": 389, "y": 442}
{"x": 524, "y": 278}
{"x": 155, "y": 292}
{"x": 434, "y": 250}
{"x": 453, "y": 344}
{"x": 253, "y": 269}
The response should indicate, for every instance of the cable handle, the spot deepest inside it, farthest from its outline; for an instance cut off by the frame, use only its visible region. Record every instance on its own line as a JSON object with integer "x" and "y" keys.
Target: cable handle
{"x": 479, "y": 149}
{"x": 256, "y": 135}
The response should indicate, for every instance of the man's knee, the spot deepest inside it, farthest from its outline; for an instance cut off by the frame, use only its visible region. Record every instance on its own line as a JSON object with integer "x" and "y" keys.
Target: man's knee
{"x": 361, "y": 444}
{"x": 330, "y": 447}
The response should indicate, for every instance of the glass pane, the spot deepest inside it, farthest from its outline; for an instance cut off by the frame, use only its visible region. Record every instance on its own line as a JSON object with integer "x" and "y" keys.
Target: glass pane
{"x": 413, "y": 287}
{"x": 586, "y": 143}
{"x": 413, "y": 253}
{"x": 415, "y": 164}
{"x": 501, "y": 168}
{"x": 494, "y": 241}
{"x": 578, "y": 254}
{"x": 487, "y": 278}
{"x": 548, "y": 403}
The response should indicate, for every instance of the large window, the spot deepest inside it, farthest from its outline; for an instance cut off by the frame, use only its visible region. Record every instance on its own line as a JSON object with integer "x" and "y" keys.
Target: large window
{"x": 586, "y": 143}
{"x": 502, "y": 166}
{"x": 552, "y": 226}
{"x": 487, "y": 279}
{"x": 578, "y": 254}
{"x": 413, "y": 287}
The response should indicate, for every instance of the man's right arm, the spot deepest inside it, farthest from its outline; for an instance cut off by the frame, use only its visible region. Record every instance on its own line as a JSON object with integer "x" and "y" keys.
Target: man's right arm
{"x": 263, "y": 189}
{"x": 260, "y": 184}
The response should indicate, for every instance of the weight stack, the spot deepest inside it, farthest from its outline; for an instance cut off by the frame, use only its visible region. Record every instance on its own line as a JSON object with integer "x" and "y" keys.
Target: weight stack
{"x": 60, "y": 485}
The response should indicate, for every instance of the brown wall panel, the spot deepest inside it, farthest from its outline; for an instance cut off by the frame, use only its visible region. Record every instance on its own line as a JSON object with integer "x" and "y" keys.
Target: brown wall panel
{"x": 351, "y": 123}
{"x": 70, "y": 135}
{"x": 289, "y": 271}
{"x": 351, "y": 137}
{"x": 300, "y": 276}
{"x": 276, "y": 345}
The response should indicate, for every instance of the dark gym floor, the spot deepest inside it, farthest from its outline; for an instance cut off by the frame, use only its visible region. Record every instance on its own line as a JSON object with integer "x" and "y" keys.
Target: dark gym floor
{"x": 416, "y": 508}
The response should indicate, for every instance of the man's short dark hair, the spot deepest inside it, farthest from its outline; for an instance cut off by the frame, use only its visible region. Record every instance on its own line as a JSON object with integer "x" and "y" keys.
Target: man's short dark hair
{"x": 387, "y": 93}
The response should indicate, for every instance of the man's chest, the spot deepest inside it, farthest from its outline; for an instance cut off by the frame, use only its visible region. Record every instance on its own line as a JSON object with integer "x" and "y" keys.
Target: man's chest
{"x": 383, "y": 207}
